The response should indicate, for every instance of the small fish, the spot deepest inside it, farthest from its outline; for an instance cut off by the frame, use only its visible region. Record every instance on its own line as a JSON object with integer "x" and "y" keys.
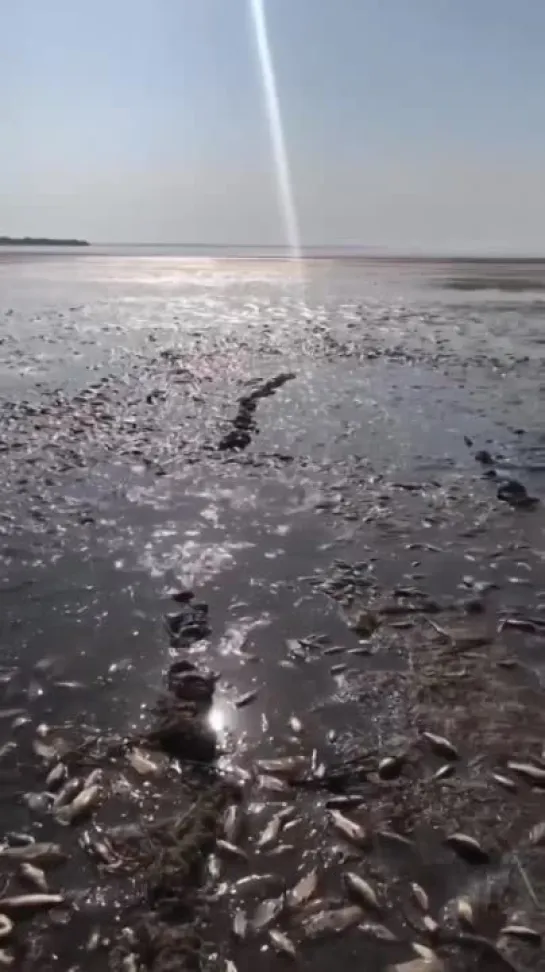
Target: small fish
{"x": 280, "y": 849}
{"x": 39, "y": 852}
{"x": 537, "y": 834}
{"x": 34, "y": 876}
{"x": 379, "y": 932}
{"x": 267, "y": 912}
{"x": 295, "y": 725}
{"x": 303, "y": 890}
{"x": 338, "y": 669}
{"x": 240, "y": 925}
{"x": 233, "y": 819}
{"x": 231, "y": 850}
{"x": 518, "y": 624}
{"x": 230, "y": 966}
{"x": 420, "y": 896}
{"x": 272, "y": 783}
{"x": 430, "y": 924}
{"x": 12, "y": 713}
{"x": 257, "y": 882}
{"x": 15, "y": 838}
{"x": 129, "y": 963}
{"x": 390, "y": 767}
{"x": 7, "y": 748}
{"x": 347, "y": 801}
{"x": 81, "y": 805}
{"x": 95, "y": 776}
{"x": 283, "y": 766}
{"x": 443, "y": 772}
{"x": 141, "y": 763}
{"x": 504, "y": 781}
{"x": 271, "y": 832}
{"x": 332, "y": 922}
{"x": 56, "y": 776}
{"x": 397, "y": 838}
{"x": 93, "y": 941}
{"x": 424, "y": 951}
{"x": 6, "y": 926}
{"x": 67, "y": 684}
{"x": 464, "y": 912}
{"x": 361, "y": 890}
{"x": 68, "y": 792}
{"x": 468, "y": 848}
{"x": 533, "y": 774}
{"x": 441, "y": 745}
{"x": 420, "y": 965}
{"x": 101, "y": 850}
{"x": 6, "y": 958}
{"x": 47, "y": 753}
{"x": 31, "y": 902}
{"x": 282, "y": 943}
{"x": 348, "y": 829}
{"x": 530, "y": 935}
{"x": 246, "y": 699}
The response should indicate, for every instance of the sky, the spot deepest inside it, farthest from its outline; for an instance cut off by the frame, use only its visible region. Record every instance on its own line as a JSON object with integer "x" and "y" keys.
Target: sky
{"x": 410, "y": 125}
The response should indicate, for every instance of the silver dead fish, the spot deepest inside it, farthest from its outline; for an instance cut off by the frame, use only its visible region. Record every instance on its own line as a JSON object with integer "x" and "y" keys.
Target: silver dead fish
{"x": 283, "y": 766}
{"x": 361, "y": 890}
{"x": 6, "y": 926}
{"x": 81, "y": 805}
{"x": 44, "y": 853}
{"x": 420, "y": 896}
{"x": 31, "y": 902}
{"x": 141, "y": 763}
{"x": 240, "y": 924}
{"x": 304, "y": 889}
{"x": 468, "y": 848}
{"x": 522, "y": 932}
{"x": 231, "y": 850}
{"x": 441, "y": 745}
{"x": 282, "y": 943}
{"x": 34, "y": 876}
{"x": 379, "y": 932}
{"x": 531, "y": 773}
{"x": 246, "y": 699}
{"x": 267, "y": 912}
{"x": 233, "y": 820}
{"x": 56, "y": 776}
{"x": 332, "y": 922}
{"x": 347, "y": 828}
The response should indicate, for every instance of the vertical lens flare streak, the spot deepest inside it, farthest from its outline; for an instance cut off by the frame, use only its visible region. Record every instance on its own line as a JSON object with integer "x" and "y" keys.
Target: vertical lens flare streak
{"x": 276, "y": 128}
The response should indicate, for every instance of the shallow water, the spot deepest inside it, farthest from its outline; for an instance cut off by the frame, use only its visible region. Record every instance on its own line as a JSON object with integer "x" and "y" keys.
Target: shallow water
{"x": 120, "y": 374}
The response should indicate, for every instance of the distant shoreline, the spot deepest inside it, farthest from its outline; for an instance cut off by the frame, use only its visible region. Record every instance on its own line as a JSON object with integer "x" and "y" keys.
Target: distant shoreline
{"x": 39, "y": 241}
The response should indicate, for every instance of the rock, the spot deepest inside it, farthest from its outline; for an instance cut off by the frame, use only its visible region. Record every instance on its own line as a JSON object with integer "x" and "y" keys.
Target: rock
{"x": 484, "y": 456}
{"x": 190, "y": 684}
{"x": 183, "y": 596}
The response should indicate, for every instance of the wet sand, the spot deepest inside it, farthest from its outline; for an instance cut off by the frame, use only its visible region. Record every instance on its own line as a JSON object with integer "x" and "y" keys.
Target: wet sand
{"x": 355, "y": 498}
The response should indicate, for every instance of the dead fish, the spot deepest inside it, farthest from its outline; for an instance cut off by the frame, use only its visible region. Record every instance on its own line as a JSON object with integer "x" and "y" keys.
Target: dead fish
{"x": 246, "y": 699}
{"x": 295, "y": 725}
{"x": 240, "y": 925}
{"x": 6, "y": 926}
{"x": 441, "y": 745}
{"x": 130, "y": 963}
{"x": 518, "y": 624}
{"x": 271, "y": 832}
{"x": 70, "y": 684}
{"x": 443, "y": 772}
{"x": 95, "y": 776}
{"x": 43, "y": 853}
{"x": 231, "y": 850}
{"x": 379, "y": 932}
{"x": 282, "y": 943}
{"x": 16, "y": 838}
{"x": 12, "y": 713}
{"x": 303, "y": 890}
{"x": 48, "y": 753}
{"x": 38, "y": 802}
{"x": 280, "y": 849}
{"x": 332, "y": 922}
{"x": 267, "y": 912}
{"x": 420, "y": 896}
{"x": 537, "y": 834}
{"x": 6, "y": 958}
{"x": 31, "y": 902}
{"x": 390, "y": 767}
{"x": 34, "y": 876}
{"x": 7, "y": 748}
{"x": 233, "y": 819}
{"x": 93, "y": 941}
{"x": 101, "y": 850}
{"x": 256, "y": 883}
{"x": 361, "y": 890}
{"x": 81, "y": 805}
{"x": 397, "y": 838}
{"x": 68, "y": 792}
{"x": 464, "y": 912}
{"x": 230, "y": 966}
{"x": 348, "y": 829}
{"x": 504, "y": 781}
{"x": 272, "y": 783}
{"x": 283, "y": 766}
{"x": 338, "y": 669}
{"x": 347, "y": 801}
{"x": 56, "y": 776}
{"x": 533, "y": 774}
{"x": 522, "y": 932}
{"x": 141, "y": 763}
{"x": 424, "y": 951}
{"x": 419, "y": 965}
{"x": 430, "y": 924}
{"x": 468, "y": 848}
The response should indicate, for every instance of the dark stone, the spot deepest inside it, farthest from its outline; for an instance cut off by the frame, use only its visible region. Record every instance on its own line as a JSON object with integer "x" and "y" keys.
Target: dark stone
{"x": 468, "y": 441}
{"x": 484, "y": 456}
{"x": 511, "y": 489}
{"x": 183, "y": 596}
{"x": 473, "y": 605}
{"x": 490, "y": 474}
{"x": 236, "y": 439}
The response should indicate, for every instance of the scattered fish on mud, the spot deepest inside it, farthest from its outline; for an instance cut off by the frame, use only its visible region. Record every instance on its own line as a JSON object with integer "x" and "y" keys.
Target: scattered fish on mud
{"x": 441, "y": 745}
{"x": 305, "y": 889}
{"x": 361, "y": 890}
{"x": 529, "y": 772}
{"x": 81, "y": 805}
{"x": 56, "y": 776}
{"x": 332, "y": 922}
{"x": 34, "y": 876}
{"x": 43, "y": 853}
{"x": 351, "y": 831}
{"x": 468, "y": 848}
{"x": 379, "y": 932}
{"x": 443, "y": 773}
{"x": 246, "y": 699}
{"x": 282, "y": 943}
{"x": 69, "y": 791}
{"x": 31, "y": 902}
{"x": 505, "y": 781}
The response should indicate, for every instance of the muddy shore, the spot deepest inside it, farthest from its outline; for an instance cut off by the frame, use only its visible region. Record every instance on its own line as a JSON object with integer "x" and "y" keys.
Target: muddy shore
{"x": 302, "y": 517}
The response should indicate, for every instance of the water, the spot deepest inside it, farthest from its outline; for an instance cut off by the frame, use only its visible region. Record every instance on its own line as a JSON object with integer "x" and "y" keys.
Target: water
{"x": 120, "y": 374}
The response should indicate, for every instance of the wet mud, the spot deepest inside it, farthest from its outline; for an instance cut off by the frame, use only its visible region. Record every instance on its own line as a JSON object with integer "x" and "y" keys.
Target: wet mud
{"x": 273, "y": 621}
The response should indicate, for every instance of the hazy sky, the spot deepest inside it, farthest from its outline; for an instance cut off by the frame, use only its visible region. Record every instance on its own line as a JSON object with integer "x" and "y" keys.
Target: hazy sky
{"x": 409, "y": 123}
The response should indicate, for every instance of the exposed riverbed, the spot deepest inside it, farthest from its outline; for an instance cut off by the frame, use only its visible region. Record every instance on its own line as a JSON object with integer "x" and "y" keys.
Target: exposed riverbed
{"x": 363, "y": 583}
